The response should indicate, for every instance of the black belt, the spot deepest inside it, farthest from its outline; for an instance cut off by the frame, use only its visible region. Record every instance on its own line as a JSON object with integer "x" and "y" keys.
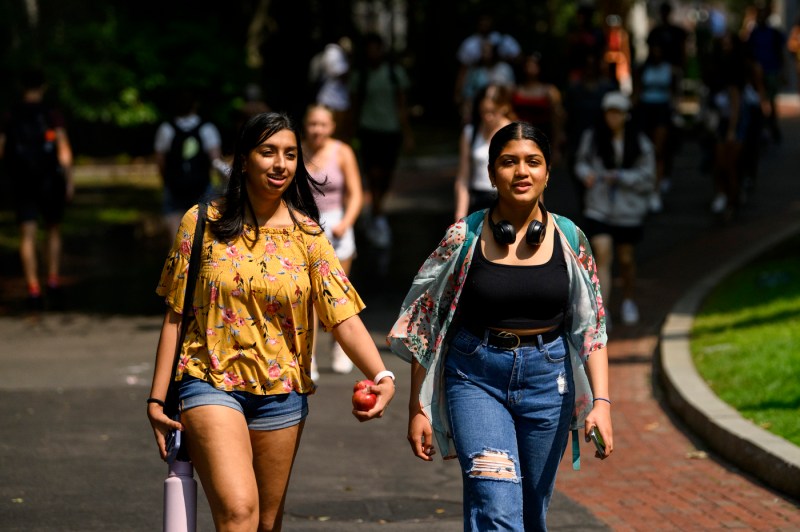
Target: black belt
{"x": 509, "y": 340}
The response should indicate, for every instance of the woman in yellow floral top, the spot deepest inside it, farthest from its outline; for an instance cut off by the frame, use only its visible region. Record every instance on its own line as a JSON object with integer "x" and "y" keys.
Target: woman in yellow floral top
{"x": 244, "y": 368}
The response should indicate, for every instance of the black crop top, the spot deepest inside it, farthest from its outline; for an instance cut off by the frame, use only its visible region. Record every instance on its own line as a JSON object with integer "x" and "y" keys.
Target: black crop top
{"x": 503, "y": 296}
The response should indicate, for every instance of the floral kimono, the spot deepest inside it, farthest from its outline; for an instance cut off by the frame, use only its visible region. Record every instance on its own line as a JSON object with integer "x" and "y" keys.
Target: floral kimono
{"x": 423, "y": 327}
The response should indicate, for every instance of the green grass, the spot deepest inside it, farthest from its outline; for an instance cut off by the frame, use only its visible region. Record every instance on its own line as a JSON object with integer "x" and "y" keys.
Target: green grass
{"x": 746, "y": 341}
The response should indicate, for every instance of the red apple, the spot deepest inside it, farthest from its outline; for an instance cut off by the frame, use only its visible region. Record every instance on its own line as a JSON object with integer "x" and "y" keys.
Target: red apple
{"x": 360, "y": 385}
{"x": 363, "y": 399}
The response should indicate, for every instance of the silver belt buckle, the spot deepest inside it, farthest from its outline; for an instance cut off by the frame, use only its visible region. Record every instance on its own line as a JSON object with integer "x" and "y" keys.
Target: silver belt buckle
{"x": 506, "y": 334}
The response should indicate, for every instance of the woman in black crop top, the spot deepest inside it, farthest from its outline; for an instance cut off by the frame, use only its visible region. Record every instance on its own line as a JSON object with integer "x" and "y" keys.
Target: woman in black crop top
{"x": 524, "y": 343}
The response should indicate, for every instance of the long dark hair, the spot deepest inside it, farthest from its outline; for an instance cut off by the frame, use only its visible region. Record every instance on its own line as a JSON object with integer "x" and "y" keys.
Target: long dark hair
{"x": 517, "y": 131}
{"x": 631, "y": 149}
{"x": 298, "y": 197}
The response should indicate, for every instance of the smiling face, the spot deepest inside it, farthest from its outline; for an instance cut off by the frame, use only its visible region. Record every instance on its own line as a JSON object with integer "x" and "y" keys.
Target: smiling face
{"x": 270, "y": 166}
{"x": 520, "y": 172}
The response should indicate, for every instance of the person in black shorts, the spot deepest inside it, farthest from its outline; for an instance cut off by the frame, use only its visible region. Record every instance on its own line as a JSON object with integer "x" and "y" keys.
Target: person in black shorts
{"x": 616, "y": 163}
{"x": 38, "y": 160}
{"x": 378, "y": 90}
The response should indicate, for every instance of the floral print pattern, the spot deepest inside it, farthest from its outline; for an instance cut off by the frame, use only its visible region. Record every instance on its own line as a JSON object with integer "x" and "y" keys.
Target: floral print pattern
{"x": 253, "y": 305}
{"x": 421, "y": 330}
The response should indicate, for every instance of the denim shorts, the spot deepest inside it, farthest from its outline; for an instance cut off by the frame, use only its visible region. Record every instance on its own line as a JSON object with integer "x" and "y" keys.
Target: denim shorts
{"x": 262, "y": 412}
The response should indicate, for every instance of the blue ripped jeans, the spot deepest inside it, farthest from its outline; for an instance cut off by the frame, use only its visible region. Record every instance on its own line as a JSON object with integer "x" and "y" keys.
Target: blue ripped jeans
{"x": 510, "y": 412}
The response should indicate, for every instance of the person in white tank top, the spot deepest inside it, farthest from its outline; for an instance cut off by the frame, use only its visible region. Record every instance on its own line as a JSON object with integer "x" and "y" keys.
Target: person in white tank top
{"x": 473, "y": 189}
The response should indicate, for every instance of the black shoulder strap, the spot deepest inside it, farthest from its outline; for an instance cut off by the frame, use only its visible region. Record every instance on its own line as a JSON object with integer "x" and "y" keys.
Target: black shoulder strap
{"x": 191, "y": 281}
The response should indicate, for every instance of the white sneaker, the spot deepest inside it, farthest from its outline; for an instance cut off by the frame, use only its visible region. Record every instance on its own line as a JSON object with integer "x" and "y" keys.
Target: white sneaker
{"x": 340, "y": 363}
{"x": 314, "y": 369}
{"x": 654, "y": 203}
{"x": 630, "y": 312}
{"x": 719, "y": 203}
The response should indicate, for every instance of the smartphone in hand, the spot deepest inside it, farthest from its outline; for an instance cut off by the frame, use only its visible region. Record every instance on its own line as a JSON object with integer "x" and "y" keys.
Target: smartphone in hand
{"x": 595, "y": 436}
{"x": 173, "y": 445}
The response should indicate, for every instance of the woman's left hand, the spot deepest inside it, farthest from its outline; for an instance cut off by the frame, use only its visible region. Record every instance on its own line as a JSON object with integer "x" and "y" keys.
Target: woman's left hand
{"x": 384, "y": 390}
{"x": 600, "y": 417}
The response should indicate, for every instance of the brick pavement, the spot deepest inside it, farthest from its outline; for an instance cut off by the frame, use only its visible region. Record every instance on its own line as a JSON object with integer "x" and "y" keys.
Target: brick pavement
{"x": 661, "y": 477}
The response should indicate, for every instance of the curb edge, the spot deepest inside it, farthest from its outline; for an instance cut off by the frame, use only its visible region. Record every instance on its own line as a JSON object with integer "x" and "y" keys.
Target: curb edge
{"x": 772, "y": 459}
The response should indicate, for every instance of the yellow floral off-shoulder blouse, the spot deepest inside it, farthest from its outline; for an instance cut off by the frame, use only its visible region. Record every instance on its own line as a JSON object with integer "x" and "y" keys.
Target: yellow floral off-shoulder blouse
{"x": 253, "y": 305}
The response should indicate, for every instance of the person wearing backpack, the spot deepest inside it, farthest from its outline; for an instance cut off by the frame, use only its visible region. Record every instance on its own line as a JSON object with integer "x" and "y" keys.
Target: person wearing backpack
{"x": 504, "y": 327}
{"x": 38, "y": 160}
{"x": 616, "y": 163}
{"x": 186, "y": 148}
{"x": 380, "y": 113}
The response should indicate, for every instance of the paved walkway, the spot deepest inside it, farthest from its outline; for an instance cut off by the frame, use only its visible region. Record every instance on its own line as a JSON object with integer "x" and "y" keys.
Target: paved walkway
{"x": 660, "y": 477}
{"x": 76, "y": 451}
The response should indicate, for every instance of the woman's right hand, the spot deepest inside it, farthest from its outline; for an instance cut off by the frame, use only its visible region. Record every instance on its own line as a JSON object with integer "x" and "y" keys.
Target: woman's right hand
{"x": 420, "y": 435}
{"x": 162, "y": 425}
{"x": 340, "y": 230}
{"x": 385, "y": 391}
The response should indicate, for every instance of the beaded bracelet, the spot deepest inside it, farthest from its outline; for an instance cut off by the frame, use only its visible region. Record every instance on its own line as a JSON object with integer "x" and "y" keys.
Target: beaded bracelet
{"x": 156, "y": 401}
{"x": 601, "y": 399}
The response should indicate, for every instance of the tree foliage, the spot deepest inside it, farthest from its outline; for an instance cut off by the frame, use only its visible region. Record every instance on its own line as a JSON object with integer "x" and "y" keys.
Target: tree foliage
{"x": 113, "y": 66}
{"x": 117, "y": 63}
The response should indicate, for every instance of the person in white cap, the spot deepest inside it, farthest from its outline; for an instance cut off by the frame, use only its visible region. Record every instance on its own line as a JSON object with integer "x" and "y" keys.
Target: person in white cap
{"x": 616, "y": 163}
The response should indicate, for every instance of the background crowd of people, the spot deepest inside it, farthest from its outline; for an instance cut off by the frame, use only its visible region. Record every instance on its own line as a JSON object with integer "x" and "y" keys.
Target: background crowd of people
{"x": 714, "y": 79}
{"x": 611, "y": 122}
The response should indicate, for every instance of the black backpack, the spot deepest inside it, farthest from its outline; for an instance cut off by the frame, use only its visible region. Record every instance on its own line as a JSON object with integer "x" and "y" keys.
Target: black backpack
{"x": 187, "y": 166}
{"x": 30, "y": 151}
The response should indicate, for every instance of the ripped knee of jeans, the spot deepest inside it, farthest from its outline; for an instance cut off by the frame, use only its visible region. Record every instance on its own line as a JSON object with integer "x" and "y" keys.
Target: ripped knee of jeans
{"x": 493, "y": 464}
